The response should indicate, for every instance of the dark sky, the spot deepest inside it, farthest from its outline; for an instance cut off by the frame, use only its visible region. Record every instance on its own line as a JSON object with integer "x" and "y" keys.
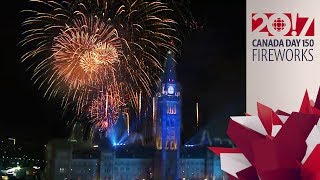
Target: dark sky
{"x": 211, "y": 71}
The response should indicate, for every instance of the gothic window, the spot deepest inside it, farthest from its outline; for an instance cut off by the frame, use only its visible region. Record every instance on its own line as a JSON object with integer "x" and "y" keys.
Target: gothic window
{"x": 168, "y": 108}
{"x": 159, "y": 144}
{"x": 173, "y": 145}
{"x": 174, "y": 109}
{"x": 171, "y": 109}
{"x": 167, "y": 144}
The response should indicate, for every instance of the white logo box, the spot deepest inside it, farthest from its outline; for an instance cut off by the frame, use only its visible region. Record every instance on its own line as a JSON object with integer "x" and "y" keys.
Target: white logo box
{"x": 281, "y": 84}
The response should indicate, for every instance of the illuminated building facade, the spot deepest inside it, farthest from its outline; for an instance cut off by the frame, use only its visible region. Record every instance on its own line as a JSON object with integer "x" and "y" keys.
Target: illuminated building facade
{"x": 130, "y": 157}
{"x": 128, "y": 162}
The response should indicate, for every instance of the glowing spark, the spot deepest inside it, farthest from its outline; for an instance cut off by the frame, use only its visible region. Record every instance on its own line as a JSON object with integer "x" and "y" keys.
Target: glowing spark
{"x": 154, "y": 106}
{"x": 139, "y": 105}
{"x": 197, "y": 110}
{"x": 106, "y": 113}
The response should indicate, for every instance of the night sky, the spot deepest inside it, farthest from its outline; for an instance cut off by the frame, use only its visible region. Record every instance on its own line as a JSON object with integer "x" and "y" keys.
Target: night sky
{"x": 211, "y": 71}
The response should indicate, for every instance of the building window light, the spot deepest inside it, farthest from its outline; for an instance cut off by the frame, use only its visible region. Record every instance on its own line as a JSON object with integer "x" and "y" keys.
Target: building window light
{"x": 62, "y": 170}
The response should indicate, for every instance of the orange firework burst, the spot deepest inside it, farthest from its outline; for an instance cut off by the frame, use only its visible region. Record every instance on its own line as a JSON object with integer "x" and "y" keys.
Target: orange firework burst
{"x": 103, "y": 54}
{"x": 84, "y": 54}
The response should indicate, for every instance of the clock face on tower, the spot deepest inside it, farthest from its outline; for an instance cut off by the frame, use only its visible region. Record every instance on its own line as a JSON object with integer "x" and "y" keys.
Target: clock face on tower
{"x": 170, "y": 89}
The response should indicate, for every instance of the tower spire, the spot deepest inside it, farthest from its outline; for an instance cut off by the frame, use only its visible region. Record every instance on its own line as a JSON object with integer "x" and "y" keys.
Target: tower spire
{"x": 169, "y": 74}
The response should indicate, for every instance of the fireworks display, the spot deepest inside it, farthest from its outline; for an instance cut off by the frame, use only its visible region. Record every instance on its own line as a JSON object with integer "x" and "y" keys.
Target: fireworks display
{"x": 84, "y": 54}
{"x": 98, "y": 54}
{"x": 104, "y": 109}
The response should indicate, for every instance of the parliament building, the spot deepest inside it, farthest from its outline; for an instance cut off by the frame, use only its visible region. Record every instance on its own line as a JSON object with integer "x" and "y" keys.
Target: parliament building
{"x": 162, "y": 157}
